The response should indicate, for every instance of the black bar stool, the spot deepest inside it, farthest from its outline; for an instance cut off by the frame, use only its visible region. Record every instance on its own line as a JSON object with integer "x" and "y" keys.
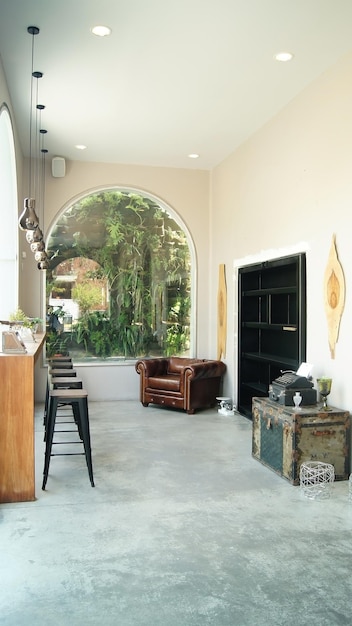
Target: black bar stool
{"x": 55, "y": 373}
{"x": 65, "y": 365}
{"x": 66, "y": 382}
{"x": 60, "y": 371}
{"x": 59, "y": 382}
{"x": 78, "y": 399}
{"x": 60, "y": 359}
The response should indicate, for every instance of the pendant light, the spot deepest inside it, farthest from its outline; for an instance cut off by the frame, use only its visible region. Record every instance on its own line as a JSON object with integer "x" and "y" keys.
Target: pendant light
{"x": 41, "y": 256}
{"x": 43, "y": 265}
{"x": 28, "y": 219}
{"x": 34, "y": 235}
{"x": 37, "y": 246}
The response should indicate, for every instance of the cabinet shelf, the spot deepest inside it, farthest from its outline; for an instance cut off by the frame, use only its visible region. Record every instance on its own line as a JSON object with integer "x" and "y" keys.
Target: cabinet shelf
{"x": 268, "y": 291}
{"x": 258, "y": 388}
{"x": 267, "y": 326}
{"x": 271, "y": 358}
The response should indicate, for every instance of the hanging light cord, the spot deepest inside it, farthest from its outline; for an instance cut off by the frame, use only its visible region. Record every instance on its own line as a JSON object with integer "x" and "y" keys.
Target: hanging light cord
{"x": 32, "y": 30}
{"x": 31, "y": 123}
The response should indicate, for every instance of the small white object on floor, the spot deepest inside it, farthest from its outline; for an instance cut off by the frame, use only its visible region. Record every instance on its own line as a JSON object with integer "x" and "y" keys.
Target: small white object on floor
{"x": 225, "y": 407}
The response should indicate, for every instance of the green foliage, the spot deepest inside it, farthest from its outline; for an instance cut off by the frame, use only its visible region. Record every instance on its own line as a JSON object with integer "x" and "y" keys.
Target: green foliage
{"x": 177, "y": 335}
{"x": 177, "y": 340}
{"x": 87, "y": 295}
{"x": 100, "y": 336}
{"x": 94, "y": 331}
{"x": 19, "y": 316}
{"x": 55, "y": 343}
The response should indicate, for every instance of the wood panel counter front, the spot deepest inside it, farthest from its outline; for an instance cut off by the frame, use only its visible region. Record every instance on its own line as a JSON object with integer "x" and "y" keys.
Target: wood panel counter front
{"x": 17, "y": 478}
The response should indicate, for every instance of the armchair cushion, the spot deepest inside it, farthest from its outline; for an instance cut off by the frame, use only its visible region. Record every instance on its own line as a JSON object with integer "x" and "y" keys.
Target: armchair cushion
{"x": 168, "y": 383}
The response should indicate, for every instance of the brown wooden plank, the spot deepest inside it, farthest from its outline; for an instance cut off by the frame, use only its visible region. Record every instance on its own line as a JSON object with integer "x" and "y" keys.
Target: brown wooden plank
{"x": 334, "y": 296}
{"x": 222, "y": 313}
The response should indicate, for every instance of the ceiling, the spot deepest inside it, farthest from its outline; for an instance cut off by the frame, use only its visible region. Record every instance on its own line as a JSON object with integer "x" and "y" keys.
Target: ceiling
{"x": 175, "y": 76}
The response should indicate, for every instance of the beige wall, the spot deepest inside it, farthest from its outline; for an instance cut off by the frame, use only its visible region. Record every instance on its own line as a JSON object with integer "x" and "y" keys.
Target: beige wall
{"x": 289, "y": 188}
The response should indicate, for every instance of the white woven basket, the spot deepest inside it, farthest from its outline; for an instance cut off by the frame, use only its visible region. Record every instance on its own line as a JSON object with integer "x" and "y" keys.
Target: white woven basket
{"x": 316, "y": 480}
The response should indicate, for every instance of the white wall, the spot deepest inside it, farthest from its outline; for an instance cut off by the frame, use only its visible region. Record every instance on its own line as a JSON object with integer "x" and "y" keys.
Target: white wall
{"x": 290, "y": 188}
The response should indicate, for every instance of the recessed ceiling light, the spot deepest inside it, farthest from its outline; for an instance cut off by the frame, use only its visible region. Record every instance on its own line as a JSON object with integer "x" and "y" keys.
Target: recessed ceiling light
{"x": 81, "y": 146}
{"x": 283, "y": 56}
{"x": 101, "y": 31}
{"x": 193, "y": 156}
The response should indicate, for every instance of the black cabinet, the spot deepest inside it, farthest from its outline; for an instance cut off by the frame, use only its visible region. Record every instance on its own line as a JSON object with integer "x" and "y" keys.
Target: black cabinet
{"x": 272, "y": 324}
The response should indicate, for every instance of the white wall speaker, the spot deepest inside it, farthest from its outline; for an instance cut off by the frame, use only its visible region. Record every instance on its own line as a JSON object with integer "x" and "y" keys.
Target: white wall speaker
{"x": 58, "y": 167}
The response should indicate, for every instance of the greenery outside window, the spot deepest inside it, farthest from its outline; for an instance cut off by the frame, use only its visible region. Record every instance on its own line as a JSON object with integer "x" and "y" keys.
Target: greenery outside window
{"x": 119, "y": 283}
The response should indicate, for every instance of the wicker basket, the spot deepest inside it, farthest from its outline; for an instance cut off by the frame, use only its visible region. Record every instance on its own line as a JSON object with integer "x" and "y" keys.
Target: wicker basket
{"x": 316, "y": 480}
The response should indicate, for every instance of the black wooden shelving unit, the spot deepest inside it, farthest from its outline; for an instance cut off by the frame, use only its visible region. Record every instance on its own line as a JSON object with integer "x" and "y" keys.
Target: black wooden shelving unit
{"x": 272, "y": 324}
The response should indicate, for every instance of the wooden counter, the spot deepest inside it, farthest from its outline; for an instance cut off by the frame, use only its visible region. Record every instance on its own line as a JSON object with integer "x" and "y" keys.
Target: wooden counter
{"x": 17, "y": 478}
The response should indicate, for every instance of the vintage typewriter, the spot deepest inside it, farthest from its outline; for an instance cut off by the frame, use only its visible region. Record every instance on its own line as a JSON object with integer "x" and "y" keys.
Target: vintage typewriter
{"x": 283, "y": 388}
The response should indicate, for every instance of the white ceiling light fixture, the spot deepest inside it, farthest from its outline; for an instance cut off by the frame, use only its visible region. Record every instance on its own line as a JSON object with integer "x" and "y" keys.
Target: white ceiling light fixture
{"x": 194, "y": 155}
{"x": 283, "y": 56}
{"x": 81, "y": 146}
{"x": 101, "y": 31}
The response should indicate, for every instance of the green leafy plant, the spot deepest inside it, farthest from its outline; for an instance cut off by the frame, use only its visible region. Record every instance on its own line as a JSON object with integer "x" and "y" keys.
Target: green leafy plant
{"x": 55, "y": 344}
{"x": 20, "y": 317}
{"x": 177, "y": 334}
{"x": 87, "y": 296}
{"x": 92, "y": 330}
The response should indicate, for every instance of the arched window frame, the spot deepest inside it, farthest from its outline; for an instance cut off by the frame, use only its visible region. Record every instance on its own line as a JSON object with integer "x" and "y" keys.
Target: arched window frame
{"x": 174, "y": 215}
{"x": 8, "y": 217}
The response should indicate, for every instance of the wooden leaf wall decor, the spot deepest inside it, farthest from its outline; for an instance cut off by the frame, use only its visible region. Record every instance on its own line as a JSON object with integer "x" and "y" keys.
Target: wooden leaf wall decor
{"x": 222, "y": 313}
{"x": 334, "y": 296}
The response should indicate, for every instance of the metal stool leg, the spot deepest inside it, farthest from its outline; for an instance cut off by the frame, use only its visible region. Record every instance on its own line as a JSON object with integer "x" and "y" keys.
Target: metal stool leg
{"x": 84, "y": 425}
{"x": 52, "y": 406}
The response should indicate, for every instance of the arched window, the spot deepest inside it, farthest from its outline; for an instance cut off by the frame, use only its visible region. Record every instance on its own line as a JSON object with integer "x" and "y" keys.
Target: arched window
{"x": 120, "y": 282}
{"x": 8, "y": 218}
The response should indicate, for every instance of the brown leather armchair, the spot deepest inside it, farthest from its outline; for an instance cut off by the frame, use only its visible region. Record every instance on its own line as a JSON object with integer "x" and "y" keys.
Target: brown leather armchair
{"x": 180, "y": 382}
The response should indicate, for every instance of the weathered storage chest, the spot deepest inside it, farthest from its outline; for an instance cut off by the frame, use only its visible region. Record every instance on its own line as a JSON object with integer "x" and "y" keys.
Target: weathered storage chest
{"x": 284, "y": 437}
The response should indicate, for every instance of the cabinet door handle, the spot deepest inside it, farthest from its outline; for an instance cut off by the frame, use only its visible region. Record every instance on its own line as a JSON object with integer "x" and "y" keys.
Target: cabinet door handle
{"x": 268, "y": 423}
{"x": 322, "y": 433}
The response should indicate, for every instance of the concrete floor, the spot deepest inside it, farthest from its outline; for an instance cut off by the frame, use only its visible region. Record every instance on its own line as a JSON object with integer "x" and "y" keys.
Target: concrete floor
{"x": 183, "y": 528}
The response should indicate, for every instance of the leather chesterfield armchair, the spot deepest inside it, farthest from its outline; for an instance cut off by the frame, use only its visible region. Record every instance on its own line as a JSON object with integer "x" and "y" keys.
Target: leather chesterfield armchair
{"x": 182, "y": 383}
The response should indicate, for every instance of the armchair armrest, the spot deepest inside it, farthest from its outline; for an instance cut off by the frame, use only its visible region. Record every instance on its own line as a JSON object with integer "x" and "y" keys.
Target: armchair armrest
{"x": 151, "y": 367}
{"x": 205, "y": 369}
